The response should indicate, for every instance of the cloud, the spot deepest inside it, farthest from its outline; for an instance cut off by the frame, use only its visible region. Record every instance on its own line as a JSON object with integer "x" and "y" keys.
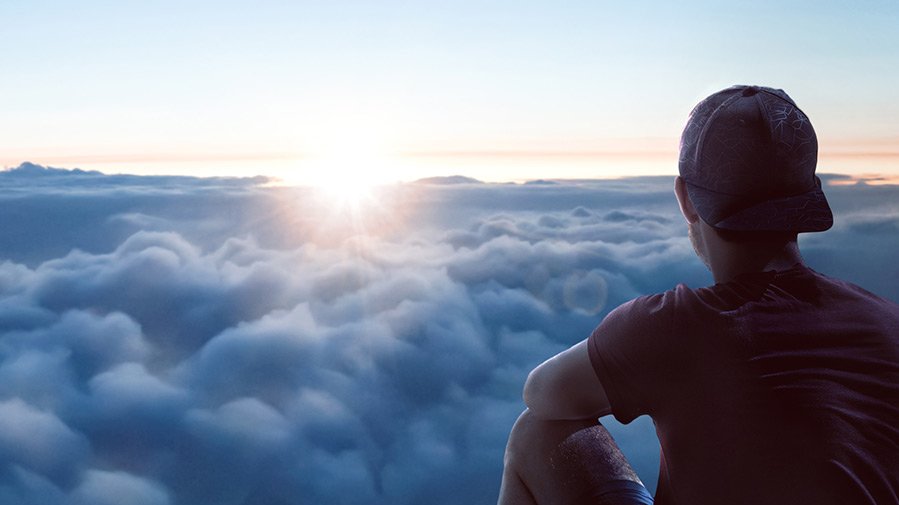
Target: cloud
{"x": 118, "y": 488}
{"x": 194, "y": 341}
{"x": 39, "y": 441}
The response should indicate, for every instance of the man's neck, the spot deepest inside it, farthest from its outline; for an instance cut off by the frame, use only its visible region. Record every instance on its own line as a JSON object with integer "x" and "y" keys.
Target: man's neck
{"x": 728, "y": 260}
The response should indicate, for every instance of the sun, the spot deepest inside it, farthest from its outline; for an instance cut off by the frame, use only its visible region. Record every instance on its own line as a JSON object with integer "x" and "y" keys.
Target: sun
{"x": 347, "y": 175}
{"x": 348, "y": 166}
{"x": 355, "y": 184}
{"x": 347, "y": 179}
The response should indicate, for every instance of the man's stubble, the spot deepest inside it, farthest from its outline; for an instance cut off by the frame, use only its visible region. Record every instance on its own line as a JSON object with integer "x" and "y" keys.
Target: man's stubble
{"x": 696, "y": 240}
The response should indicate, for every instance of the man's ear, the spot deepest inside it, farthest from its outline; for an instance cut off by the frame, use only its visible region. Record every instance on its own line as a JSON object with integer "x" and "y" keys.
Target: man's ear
{"x": 683, "y": 199}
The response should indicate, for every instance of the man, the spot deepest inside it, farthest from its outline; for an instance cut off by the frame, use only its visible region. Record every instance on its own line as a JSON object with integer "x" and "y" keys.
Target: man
{"x": 776, "y": 385}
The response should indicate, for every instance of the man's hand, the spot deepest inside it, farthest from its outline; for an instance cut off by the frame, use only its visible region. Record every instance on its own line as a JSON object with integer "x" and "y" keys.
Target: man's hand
{"x": 566, "y": 387}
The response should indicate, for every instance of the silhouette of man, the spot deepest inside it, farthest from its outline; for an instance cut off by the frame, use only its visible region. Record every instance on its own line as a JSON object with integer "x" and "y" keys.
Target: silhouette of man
{"x": 776, "y": 385}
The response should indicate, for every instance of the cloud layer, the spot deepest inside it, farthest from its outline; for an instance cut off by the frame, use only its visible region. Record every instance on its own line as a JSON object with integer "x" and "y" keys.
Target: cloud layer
{"x": 194, "y": 341}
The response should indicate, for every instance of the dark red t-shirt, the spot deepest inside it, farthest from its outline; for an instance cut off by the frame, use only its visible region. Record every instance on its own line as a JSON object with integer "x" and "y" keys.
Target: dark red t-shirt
{"x": 776, "y": 387}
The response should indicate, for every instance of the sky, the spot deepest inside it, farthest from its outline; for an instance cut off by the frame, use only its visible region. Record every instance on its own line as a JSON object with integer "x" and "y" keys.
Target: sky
{"x": 386, "y": 90}
{"x": 188, "y": 341}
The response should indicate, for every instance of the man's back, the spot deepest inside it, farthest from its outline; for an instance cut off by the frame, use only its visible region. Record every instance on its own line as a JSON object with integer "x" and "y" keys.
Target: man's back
{"x": 777, "y": 385}
{"x": 771, "y": 388}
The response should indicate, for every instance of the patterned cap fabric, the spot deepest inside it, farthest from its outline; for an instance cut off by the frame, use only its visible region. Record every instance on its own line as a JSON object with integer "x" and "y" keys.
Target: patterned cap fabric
{"x": 748, "y": 156}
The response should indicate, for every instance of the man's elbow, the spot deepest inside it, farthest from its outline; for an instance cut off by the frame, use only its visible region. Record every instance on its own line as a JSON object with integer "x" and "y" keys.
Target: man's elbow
{"x": 534, "y": 394}
{"x": 549, "y": 399}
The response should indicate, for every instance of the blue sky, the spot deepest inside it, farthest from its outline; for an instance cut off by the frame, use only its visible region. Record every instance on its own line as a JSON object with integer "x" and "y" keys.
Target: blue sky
{"x": 494, "y": 90}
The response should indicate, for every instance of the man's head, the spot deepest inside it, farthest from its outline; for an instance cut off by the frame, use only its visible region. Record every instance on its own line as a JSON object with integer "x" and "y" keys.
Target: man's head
{"x": 747, "y": 161}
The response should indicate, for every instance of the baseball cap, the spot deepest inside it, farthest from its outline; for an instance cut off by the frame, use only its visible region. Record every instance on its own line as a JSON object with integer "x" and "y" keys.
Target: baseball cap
{"x": 748, "y": 157}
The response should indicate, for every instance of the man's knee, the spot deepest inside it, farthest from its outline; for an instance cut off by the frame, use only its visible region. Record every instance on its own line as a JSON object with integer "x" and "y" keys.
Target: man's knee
{"x": 522, "y": 434}
{"x": 535, "y": 438}
{"x": 574, "y": 446}
{"x": 563, "y": 461}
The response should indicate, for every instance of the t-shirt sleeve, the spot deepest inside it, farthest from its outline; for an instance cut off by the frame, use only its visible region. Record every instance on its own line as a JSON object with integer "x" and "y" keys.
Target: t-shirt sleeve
{"x": 633, "y": 353}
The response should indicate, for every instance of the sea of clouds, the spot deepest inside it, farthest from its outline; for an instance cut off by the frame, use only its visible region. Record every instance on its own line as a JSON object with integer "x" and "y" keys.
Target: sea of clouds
{"x": 174, "y": 340}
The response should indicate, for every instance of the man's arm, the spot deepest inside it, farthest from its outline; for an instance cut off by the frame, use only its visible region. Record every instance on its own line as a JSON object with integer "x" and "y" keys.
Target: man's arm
{"x": 566, "y": 387}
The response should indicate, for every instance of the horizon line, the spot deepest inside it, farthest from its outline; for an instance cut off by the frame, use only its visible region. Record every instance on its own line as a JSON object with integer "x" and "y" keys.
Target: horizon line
{"x": 507, "y": 154}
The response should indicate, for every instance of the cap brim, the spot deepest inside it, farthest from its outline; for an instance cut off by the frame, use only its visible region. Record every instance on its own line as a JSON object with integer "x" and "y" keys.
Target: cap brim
{"x": 806, "y": 212}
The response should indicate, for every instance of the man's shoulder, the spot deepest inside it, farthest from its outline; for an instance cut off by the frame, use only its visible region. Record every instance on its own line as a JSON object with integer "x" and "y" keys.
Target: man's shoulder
{"x": 855, "y": 290}
{"x": 644, "y": 312}
{"x": 665, "y": 306}
{"x": 679, "y": 298}
{"x": 796, "y": 289}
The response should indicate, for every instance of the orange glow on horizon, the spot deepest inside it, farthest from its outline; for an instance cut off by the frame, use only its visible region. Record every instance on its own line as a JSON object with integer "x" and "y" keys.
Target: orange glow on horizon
{"x": 349, "y": 163}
